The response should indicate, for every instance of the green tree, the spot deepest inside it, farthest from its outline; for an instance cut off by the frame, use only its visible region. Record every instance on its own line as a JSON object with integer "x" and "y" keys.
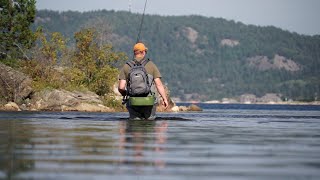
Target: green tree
{"x": 93, "y": 63}
{"x": 48, "y": 55}
{"x": 15, "y": 33}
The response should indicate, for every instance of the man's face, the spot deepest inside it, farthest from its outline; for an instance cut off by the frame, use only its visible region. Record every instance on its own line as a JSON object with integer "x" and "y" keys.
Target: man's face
{"x": 139, "y": 54}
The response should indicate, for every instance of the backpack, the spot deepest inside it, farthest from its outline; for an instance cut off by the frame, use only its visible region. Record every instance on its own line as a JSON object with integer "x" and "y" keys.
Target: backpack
{"x": 138, "y": 84}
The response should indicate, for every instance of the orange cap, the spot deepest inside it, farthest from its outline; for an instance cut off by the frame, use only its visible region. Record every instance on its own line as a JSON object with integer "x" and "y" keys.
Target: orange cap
{"x": 140, "y": 47}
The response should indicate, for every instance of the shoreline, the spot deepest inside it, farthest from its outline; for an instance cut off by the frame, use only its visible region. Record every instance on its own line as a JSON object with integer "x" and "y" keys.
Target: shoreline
{"x": 179, "y": 107}
{"x": 316, "y": 103}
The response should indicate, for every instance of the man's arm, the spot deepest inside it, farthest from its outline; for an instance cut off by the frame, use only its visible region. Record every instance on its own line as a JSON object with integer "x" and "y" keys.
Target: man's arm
{"x": 122, "y": 87}
{"x": 161, "y": 91}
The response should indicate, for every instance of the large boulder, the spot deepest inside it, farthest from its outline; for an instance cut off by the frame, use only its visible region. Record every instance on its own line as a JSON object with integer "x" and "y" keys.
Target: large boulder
{"x": 62, "y": 100}
{"x": 14, "y": 85}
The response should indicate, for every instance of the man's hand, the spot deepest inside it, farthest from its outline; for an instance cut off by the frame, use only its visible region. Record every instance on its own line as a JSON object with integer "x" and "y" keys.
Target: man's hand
{"x": 165, "y": 103}
{"x": 122, "y": 87}
{"x": 162, "y": 92}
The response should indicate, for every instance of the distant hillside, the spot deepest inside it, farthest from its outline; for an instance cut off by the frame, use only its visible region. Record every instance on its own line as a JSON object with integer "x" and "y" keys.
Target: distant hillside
{"x": 208, "y": 58}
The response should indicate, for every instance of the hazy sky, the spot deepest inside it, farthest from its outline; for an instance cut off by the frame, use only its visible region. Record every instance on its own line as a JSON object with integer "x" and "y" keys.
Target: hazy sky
{"x": 299, "y": 16}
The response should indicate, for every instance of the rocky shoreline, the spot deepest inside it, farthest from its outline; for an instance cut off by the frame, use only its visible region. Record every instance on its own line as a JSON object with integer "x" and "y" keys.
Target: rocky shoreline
{"x": 62, "y": 100}
{"x": 86, "y": 107}
{"x": 99, "y": 107}
{"x": 16, "y": 94}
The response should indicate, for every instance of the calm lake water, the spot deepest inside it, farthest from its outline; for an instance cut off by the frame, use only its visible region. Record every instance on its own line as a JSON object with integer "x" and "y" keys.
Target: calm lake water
{"x": 222, "y": 142}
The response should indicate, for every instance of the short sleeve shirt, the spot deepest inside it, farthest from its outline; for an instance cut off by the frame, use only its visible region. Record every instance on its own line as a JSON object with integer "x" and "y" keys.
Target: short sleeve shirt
{"x": 150, "y": 67}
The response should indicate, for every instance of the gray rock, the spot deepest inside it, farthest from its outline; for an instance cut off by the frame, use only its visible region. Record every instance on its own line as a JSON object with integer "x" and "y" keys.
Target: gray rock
{"x": 14, "y": 85}
{"x": 62, "y": 100}
{"x": 270, "y": 98}
{"x": 248, "y": 98}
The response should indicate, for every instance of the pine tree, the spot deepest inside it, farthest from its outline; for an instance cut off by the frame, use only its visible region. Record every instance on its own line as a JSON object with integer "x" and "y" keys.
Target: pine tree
{"x": 16, "y": 17}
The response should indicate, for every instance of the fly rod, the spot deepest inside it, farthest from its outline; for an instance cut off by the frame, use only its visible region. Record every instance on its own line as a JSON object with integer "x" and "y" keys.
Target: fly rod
{"x": 141, "y": 23}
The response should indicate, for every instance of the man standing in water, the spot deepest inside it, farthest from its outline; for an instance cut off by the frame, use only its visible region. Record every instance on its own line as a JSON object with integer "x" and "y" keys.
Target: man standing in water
{"x": 148, "y": 110}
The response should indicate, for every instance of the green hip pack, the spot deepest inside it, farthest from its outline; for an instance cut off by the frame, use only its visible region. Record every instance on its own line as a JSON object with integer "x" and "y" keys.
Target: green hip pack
{"x": 142, "y": 101}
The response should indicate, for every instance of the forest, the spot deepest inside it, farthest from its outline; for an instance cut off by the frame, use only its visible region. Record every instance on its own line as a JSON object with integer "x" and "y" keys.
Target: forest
{"x": 205, "y": 58}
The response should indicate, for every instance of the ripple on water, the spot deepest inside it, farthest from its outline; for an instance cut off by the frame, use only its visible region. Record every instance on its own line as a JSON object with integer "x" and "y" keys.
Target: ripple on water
{"x": 223, "y": 144}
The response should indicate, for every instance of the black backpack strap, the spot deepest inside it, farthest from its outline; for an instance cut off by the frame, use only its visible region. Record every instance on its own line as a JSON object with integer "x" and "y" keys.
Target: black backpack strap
{"x": 135, "y": 62}
{"x": 130, "y": 63}
{"x": 144, "y": 62}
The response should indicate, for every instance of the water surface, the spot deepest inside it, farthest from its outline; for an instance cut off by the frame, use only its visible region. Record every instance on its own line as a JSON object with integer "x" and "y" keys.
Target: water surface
{"x": 222, "y": 142}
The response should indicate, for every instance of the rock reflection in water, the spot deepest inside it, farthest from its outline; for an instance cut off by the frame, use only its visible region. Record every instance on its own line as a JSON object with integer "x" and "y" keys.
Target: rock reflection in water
{"x": 13, "y": 139}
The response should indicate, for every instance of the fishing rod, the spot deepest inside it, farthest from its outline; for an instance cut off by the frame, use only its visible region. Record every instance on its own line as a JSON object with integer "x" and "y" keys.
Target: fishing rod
{"x": 140, "y": 28}
{"x": 125, "y": 98}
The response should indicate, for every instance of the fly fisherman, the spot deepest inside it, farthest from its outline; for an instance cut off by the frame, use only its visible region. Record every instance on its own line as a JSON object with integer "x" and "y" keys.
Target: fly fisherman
{"x": 138, "y": 79}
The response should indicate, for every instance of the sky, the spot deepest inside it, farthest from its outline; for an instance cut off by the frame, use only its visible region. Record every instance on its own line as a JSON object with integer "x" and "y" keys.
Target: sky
{"x": 300, "y": 16}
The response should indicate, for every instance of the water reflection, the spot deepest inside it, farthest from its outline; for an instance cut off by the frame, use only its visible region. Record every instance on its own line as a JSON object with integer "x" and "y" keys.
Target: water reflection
{"x": 33, "y": 148}
{"x": 13, "y": 139}
{"x": 142, "y": 143}
{"x": 226, "y": 144}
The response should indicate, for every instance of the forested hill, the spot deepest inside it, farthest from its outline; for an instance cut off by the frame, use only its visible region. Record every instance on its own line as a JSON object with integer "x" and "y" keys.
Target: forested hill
{"x": 208, "y": 58}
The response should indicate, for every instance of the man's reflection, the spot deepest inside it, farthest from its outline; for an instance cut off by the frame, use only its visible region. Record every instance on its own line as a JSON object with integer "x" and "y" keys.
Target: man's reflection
{"x": 142, "y": 142}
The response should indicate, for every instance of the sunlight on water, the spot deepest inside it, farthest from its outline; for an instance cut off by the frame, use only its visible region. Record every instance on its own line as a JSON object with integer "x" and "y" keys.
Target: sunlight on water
{"x": 215, "y": 143}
